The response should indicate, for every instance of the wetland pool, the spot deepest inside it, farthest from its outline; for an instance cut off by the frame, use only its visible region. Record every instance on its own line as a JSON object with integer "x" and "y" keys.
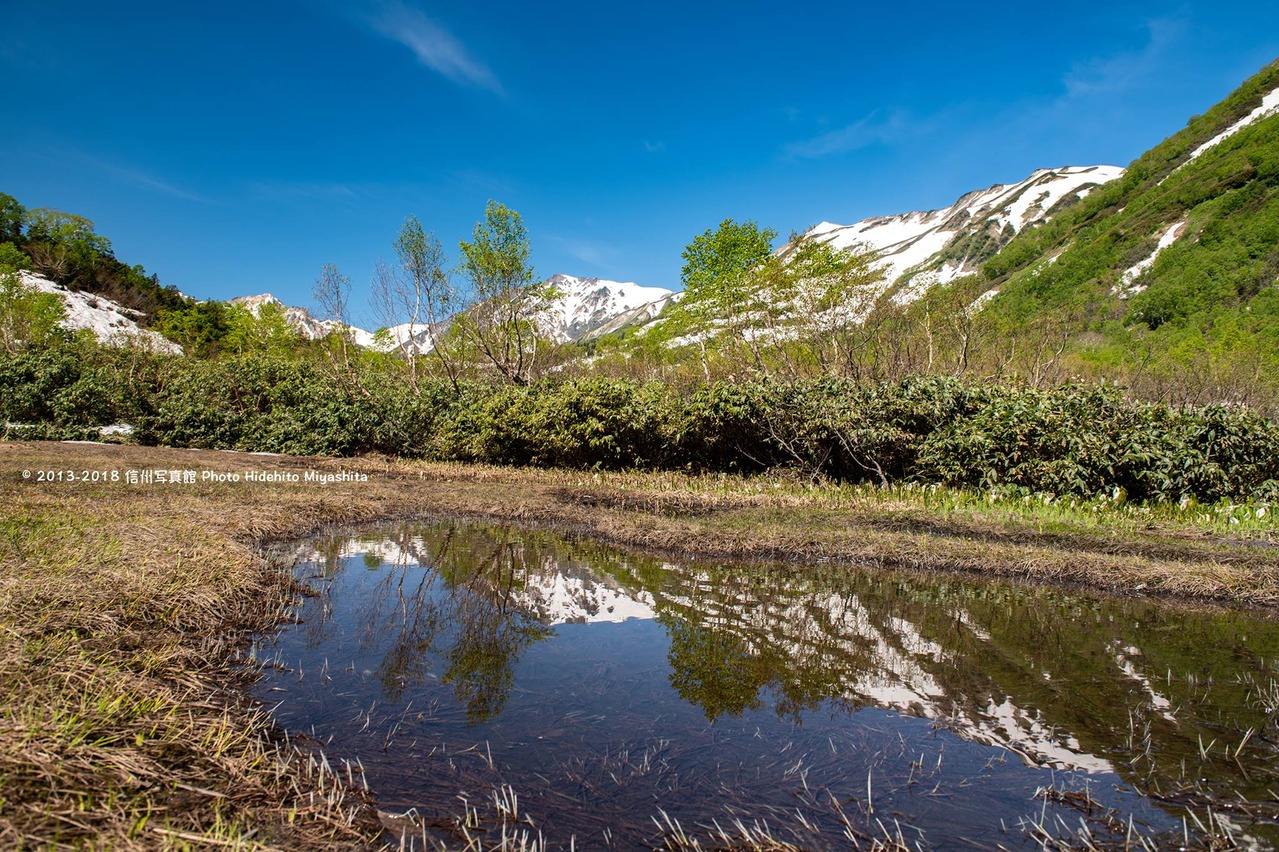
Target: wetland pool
{"x": 491, "y": 682}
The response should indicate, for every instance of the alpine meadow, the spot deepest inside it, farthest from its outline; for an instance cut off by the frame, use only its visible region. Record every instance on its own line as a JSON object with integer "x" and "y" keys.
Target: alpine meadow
{"x": 994, "y": 482}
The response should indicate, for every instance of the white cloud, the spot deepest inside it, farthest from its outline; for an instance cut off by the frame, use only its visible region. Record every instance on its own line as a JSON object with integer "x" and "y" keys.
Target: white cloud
{"x": 596, "y": 254}
{"x": 871, "y": 130}
{"x": 433, "y": 45}
{"x": 1122, "y": 71}
{"x": 148, "y": 182}
{"x": 302, "y": 191}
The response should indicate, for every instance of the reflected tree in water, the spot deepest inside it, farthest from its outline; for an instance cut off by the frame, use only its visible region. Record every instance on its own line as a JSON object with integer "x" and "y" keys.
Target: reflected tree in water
{"x": 490, "y": 630}
{"x": 441, "y": 599}
{"x": 714, "y": 670}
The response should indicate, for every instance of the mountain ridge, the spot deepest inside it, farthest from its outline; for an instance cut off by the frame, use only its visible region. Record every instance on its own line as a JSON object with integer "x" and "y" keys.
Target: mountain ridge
{"x": 940, "y": 245}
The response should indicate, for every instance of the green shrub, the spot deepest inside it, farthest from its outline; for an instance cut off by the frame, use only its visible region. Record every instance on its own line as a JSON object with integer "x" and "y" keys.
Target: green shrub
{"x": 1072, "y": 440}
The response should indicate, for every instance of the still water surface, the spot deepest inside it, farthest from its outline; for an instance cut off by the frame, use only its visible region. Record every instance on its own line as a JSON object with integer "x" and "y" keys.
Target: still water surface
{"x": 524, "y": 681}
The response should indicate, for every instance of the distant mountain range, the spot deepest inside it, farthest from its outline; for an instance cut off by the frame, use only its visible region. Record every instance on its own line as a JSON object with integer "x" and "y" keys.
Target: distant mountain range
{"x": 922, "y": 249}
{"x": 582, "y": 308}
{"x": 1184, "y": 241}
{"x": 919, "y": 249}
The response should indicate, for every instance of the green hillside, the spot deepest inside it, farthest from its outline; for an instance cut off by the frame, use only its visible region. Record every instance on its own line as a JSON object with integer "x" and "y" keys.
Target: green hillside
{"x": 1202, "y": 321}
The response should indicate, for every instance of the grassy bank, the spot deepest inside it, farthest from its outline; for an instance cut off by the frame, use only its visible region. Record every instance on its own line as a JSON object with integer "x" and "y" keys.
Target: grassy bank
{"x": 123, "y": 606}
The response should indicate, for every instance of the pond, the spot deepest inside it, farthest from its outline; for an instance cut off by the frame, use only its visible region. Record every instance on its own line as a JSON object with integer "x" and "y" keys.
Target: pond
{"x": 490, "y": 682}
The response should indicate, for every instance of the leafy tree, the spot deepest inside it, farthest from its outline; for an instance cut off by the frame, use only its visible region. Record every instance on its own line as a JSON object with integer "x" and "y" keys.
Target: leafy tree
{"x": 69, "y": 229}
{"x": 817, "y": 301}
{"x": 64, "y": 245}
{"x": 266, "y": 331}
{"x": 721, "y": 293}
{"x": 502, "y": 325}
{"x": 419, "y": 294}
{"x": 12, "y": 259}
{"x": 200, "y": 328}
{"x": 13, "y": 218}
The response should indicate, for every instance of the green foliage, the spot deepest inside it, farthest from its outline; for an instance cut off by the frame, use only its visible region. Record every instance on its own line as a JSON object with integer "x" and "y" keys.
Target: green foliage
{"x": 68, "y": 385}
{"x": 200, "y": 328}
{"x": 496, "y": 259}
{"x": 28, "y": 317}
{"x": 584, "y": 424}
{"x": 13, "y": 218}
{"x": 978, "y": 246}
{"x": 266, "y": 331}
{"x": 721, "y": 292}
{"x": 716, "y": 259}
{"x": 1082, "y": 441}
{"x": 66, "y": 248}
{"x": 74, "y": 234}
{"x": 1085, "y": 441}
{"x": 421, "y": 294}
{"x": 256, "y": 402}
{"x": 1202, "y": 307}
{"x": 718, "y": 427}
{"x": 12, "y": 259}
{"x": 501, "y": 327}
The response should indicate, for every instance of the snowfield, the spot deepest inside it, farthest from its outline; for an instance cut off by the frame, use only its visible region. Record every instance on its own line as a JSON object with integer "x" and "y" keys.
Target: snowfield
{"x": 111, "y": 323}
{"x": 911, "y": 244}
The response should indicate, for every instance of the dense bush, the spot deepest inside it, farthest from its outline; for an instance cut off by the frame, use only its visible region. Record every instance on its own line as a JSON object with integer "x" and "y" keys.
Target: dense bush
{"x": 74, "y": 383}
{"x": 1070, "y": 440}
{"x": 598, "y": 423}
{"x": 1085, "y": 441}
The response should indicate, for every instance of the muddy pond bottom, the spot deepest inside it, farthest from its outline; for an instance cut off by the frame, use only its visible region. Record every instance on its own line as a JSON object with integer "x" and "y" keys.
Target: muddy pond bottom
{"x": 490, "y": 683}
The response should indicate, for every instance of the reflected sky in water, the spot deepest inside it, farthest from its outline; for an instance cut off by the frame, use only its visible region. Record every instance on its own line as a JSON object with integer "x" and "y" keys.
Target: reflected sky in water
{"x": 564, "y": 688}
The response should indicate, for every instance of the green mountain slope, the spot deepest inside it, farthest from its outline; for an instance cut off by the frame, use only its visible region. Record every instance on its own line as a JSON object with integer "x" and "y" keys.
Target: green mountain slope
{"x": 1203, "y": 312}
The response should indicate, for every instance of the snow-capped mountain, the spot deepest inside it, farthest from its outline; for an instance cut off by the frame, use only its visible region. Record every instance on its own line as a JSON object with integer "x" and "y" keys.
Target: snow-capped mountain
{"x": 924, "y": 248}
{"x": 405, "y": 336}
{"x": 580, "y": 309}
{"x": 110, "y": 322}
{"x": 918, "y": 250}
{"x": 640, "y": 317}
{"x": 584, "y": 305}
{"x": 299, "y": 318}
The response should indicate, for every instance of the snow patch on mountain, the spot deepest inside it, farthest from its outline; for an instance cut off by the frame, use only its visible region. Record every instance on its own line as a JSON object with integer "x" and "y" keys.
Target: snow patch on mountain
{"x": 1269, "y": 106}
{"x": 110, "y": 322}
{"x": 913, "y": 244}
{"x": 1128, "y": 286}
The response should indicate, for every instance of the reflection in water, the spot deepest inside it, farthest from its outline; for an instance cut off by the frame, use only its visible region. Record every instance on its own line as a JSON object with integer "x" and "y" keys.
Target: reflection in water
{"x": 602, "y": 687}
{"x": 465, "y": 613}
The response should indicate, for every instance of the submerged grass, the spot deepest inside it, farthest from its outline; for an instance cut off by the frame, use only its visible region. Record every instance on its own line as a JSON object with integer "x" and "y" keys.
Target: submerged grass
{"x": 125, "y": 608}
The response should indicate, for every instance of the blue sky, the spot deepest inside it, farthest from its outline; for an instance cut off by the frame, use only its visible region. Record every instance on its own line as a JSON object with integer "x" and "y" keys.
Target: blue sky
{"x": 236, "y": 147}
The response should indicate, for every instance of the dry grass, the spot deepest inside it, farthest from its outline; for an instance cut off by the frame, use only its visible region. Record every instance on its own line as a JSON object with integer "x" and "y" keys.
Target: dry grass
{"x": 123, "y": 607}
